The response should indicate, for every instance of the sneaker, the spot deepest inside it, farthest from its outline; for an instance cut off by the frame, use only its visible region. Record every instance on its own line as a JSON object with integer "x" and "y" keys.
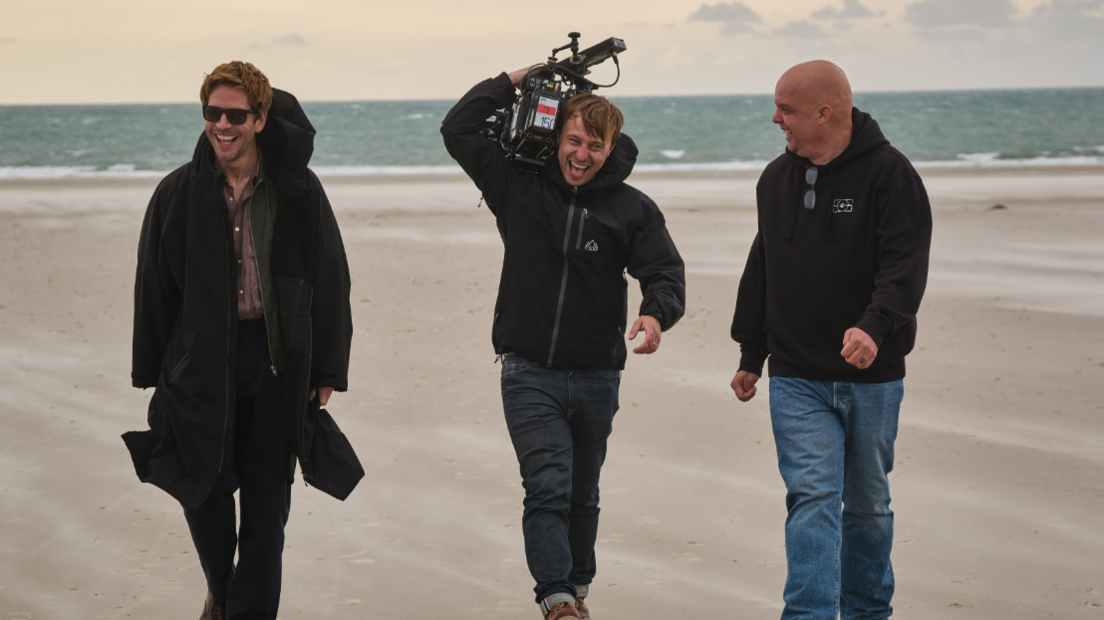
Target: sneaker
{"x": 562, "y": 610}
{"x": 584, "y": 613}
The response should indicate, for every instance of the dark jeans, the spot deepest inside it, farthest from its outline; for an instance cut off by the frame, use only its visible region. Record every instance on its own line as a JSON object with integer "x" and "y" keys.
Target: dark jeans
{"x": 259, "y": 467}
{"x": 835, "y": 451}
{"x": 559, "y": 421}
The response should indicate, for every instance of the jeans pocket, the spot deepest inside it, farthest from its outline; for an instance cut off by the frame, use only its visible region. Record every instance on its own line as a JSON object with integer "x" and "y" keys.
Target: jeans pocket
{"x": 611, "y": 373}
{"x": 512, "y": 364}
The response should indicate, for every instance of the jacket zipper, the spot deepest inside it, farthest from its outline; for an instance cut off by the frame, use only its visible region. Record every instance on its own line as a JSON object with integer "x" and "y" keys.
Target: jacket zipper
{"x": 230, "y": 312}
{"x": 582, "y": 223}
{"x": 563, "y": 282}
{"x": 264, "y": 308}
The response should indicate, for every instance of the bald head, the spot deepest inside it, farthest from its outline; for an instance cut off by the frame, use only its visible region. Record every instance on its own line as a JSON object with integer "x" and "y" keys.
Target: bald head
{"x": 813, "y": 102}
{"x": 819, "y": 82}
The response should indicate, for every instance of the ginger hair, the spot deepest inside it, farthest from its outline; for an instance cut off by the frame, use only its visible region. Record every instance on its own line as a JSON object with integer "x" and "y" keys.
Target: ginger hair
{"x": 242, "y": 76}
{"x": 600, "y": 117}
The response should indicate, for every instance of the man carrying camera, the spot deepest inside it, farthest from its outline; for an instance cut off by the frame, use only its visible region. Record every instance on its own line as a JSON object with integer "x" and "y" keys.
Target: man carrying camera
{"x": 570, "y": 232}
{"x": 830, "y": 293}
{"x": 242, "y": 325}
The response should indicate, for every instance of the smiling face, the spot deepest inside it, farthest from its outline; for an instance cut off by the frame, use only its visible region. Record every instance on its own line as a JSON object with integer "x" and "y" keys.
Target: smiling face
{"x": 800, "y": 118}
{"x": 813, "y": 108}
{"x": 232, "y": 142}
{"x": 581, "y": 153}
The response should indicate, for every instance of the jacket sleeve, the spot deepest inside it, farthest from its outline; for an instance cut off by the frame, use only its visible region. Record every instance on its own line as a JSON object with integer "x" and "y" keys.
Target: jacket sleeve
{"x": 904, "y": 245}
{"x": 749, "y": 321}
{"x": 156, "y": 298}
{"x": 655, "y": 262}
{"x": 331, "y": 313}
{"x": 482, "y": 160}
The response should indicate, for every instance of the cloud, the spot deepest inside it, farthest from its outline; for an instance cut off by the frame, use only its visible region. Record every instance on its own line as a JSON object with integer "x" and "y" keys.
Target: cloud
{"x": 800, "y": 29}
{"x": 737, "y": 17}
{"x": 291, "y": 40}
{"x": 6, "y": 40}
{"x": 1069, "y": 19}
{"x": 932, "y": 14}
{"x": 852, "y": 9}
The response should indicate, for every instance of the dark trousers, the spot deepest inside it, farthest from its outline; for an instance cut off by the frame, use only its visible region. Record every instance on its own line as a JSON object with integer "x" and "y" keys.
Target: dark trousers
{"x": 259, "y": 468}
{"x": 559, "y": 422}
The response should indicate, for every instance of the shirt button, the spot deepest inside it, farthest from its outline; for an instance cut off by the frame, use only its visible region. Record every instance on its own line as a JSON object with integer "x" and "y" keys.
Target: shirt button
{"x": 239, "y": 261}
{"x": 241, "y": 292}
{"x": 236, "y": 229}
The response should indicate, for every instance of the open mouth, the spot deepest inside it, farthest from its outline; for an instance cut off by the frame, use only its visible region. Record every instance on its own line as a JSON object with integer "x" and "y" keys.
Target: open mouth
{"x": 225, "y": 140}
{"x": 576, "y": 169}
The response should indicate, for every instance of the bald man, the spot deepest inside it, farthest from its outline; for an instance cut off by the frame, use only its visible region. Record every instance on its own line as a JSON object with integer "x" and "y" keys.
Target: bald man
{"x": 828, "y": 298}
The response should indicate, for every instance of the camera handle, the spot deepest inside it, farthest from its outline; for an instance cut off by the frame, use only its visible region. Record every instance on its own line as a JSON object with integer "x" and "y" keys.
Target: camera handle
{"x": 574, "y": 45}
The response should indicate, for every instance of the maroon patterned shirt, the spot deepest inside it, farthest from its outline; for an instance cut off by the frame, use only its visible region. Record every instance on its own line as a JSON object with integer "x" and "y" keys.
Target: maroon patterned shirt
{"x": 249, "y": 288}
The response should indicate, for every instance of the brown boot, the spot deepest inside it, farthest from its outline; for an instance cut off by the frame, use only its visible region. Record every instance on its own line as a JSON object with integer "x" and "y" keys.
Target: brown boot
{"x": 584, "y": 613}
{"x": 213, "y": 610}
{"x": 562, "y": 610}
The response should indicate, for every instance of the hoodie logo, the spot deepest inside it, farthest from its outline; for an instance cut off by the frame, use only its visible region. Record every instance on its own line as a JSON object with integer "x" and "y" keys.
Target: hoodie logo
{"x": 591, "y": 246}
{"x": 843, "y": 205}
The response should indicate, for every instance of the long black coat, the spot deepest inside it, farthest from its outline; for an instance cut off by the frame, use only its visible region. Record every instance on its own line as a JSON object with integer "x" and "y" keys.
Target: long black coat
{"x": 185, "y": 308}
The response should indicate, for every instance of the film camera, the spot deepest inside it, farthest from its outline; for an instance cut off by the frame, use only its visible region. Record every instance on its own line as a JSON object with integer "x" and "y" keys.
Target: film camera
{"x": 529, "y": 130}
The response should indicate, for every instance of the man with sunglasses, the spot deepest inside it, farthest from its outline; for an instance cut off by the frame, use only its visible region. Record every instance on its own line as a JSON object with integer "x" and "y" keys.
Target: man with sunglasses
{"x": 242, "y": 324}
{"x": 830, "y": 293}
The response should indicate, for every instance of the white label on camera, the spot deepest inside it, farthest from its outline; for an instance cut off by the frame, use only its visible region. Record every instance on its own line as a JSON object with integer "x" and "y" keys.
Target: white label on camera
{"x": 546, "y": 113}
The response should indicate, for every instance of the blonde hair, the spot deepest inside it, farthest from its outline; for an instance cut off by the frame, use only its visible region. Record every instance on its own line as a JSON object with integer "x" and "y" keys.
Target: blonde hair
{"x": 600, "y": 117}
{"x": 242, "y": 76}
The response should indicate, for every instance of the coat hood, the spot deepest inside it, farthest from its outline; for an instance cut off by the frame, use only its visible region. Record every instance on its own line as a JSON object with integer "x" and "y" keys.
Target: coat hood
{"x": 866, "y": 136}
{"x": 618, "y": 167}
{"x": 287, "y": 141}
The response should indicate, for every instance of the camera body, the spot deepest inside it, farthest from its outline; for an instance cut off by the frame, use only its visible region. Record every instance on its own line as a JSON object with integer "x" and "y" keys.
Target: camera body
{"x": 529, "y": 130}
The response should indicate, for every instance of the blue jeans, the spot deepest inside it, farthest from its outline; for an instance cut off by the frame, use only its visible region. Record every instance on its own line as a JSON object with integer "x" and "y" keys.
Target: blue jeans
{"x": 559, "y": 421}
{"x": 835, "y": 450}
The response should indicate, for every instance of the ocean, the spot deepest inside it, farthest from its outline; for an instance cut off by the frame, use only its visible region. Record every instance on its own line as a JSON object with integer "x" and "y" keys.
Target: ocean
{"x": 991, "y": 128}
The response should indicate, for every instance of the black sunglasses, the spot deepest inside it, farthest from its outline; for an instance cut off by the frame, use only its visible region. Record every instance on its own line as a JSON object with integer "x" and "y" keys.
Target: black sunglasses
{"x": 810, "y": 194}
{"x": 236, "y": 116}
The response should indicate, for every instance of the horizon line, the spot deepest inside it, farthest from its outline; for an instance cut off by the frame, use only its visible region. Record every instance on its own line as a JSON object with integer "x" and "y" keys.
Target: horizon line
{"x": 746, "y": 94}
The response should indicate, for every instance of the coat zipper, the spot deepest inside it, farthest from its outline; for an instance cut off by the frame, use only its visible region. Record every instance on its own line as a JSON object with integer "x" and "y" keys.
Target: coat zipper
{"x": 230, "y": 313}
{"x": 563, "y": 282}
{"x": 264, "y": 306}
{"x": 582, "y": 223}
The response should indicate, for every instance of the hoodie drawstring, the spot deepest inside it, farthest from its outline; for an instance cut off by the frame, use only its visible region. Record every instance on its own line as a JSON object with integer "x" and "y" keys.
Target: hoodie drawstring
{"x": 828, "y": 203}
{"x": 797, "y": 207}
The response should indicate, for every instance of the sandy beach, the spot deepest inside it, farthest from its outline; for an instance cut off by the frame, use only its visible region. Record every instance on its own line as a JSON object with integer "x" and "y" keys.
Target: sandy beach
{"x": 998, "y": 487}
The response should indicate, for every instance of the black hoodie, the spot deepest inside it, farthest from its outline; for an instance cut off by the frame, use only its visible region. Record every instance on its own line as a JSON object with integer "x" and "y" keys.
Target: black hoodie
{"x": 859, "y": 258}
{"x": 563, "y": 296}
{"x": 185, "y": 308}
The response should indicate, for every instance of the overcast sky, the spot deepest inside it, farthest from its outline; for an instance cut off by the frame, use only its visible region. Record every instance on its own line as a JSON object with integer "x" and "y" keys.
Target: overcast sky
{"x": 117, "y": 51}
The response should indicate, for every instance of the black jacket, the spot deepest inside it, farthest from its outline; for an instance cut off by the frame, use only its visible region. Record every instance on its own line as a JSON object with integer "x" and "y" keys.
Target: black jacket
{"x": 859, "y": 258}
{"x": 185, "y": 308}
{"x": 563, "y": 295}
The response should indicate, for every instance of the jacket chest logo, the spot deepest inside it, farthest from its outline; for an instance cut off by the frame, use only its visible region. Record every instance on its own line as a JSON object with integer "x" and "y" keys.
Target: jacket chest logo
{"x": 843, "y": 205}
{"x": 591, "y": 246}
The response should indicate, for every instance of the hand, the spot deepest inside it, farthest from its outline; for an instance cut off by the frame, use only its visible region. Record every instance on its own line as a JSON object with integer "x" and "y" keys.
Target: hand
{"x": 652, "y": 334}
{"x": 744, "y": 385}
{"x": 323, "y": 395}
{"x": 858, "y": 348}
{"x": 517, "y": 76}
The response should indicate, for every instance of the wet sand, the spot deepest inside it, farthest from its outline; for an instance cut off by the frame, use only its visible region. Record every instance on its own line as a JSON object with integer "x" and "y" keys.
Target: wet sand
{"x": 998, "y": 487}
